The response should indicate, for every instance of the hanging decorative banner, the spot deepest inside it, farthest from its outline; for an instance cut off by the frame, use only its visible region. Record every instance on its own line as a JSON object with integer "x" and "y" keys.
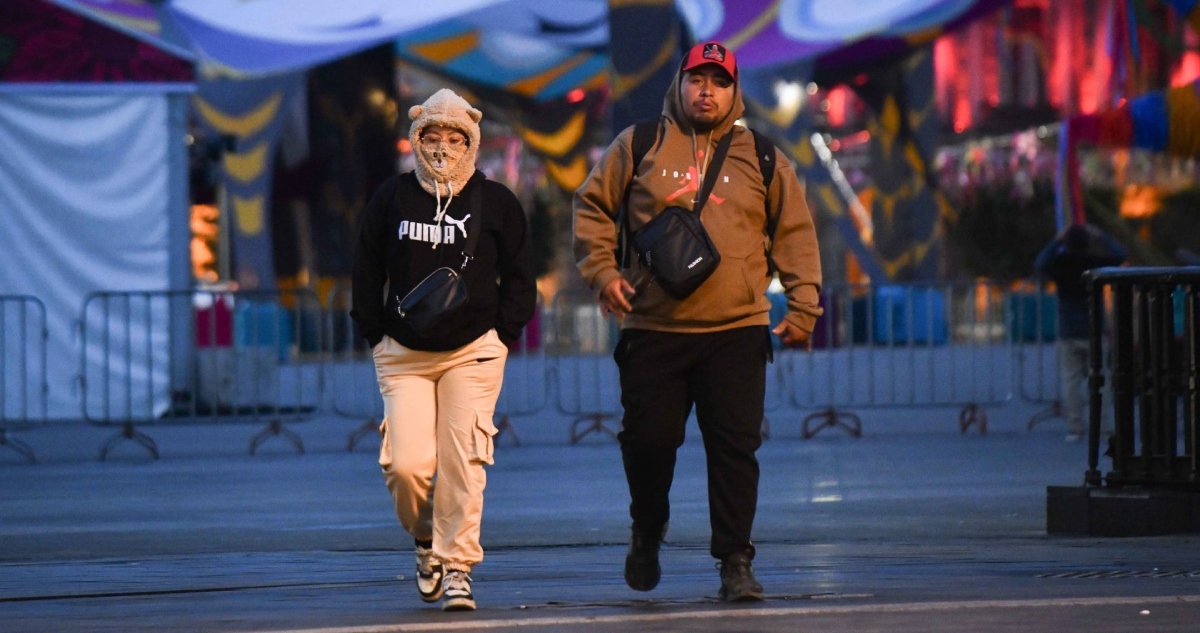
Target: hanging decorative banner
{"x": 907, "y": 209}
{"x": 252, "y": 113}
{"x": 1162, "y": 121}
{"x": 645, "y": 47}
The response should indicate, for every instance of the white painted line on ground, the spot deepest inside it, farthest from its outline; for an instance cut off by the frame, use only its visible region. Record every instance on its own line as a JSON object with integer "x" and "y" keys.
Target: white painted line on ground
{"x": 765, "y": 612}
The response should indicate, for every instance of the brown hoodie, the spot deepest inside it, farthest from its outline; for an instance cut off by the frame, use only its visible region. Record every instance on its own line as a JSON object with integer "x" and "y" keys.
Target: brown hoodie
{"x": 735, "y": 217}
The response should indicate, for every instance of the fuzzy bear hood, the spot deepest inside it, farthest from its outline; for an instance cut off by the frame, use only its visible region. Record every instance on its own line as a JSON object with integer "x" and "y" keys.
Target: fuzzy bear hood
{"x": 447, "y": 109}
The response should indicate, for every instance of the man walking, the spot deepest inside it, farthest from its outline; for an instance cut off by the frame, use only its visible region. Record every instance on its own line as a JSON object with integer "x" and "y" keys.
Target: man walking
{"x": 1074, "y": 251}
{"x": 710, "y": 348}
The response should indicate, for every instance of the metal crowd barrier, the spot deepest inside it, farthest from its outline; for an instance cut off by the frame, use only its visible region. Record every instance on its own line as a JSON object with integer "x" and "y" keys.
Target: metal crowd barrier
{"x": 582, "y": 345}
{"x": 1033, "y": 327}
{"x": 526, "y": 388}
{"x": 355, "y": 391}
{"x": 194, "y": 356}
{"x": 909, "y": 345}
{"x": 23, "y": 385}
{"x": 1155, "y": 375}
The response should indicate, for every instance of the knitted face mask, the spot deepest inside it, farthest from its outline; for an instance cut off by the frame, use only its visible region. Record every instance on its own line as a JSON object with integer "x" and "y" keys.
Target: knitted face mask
{"x": 442, "y": 152}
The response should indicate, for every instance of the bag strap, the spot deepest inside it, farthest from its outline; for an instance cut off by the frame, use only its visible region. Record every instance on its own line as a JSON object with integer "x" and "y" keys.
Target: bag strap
{"x": 714, "y": 170}
{"x": 644, "y": 135}
{"x": 474, "y": 223}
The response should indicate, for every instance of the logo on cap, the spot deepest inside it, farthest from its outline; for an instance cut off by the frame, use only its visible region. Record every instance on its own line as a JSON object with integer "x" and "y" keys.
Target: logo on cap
{"x": 714, "y": 52}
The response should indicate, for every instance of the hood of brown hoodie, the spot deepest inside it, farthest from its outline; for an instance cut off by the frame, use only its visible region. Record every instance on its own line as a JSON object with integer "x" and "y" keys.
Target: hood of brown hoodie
{"x": 673, "y": 108}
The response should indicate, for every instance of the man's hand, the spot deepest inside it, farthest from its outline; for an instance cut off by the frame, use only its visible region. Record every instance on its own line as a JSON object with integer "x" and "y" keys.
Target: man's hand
{"x": 791, "y": 335}
{"x": 614, "y": 297}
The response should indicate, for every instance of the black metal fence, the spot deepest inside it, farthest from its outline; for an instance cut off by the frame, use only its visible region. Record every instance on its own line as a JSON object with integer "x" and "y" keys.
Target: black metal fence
{"x": 1155, "y": 363}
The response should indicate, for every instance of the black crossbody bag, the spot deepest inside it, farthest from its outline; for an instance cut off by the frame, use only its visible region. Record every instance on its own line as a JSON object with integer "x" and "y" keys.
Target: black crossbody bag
{"x": 674, "y": 246}
{"x": 444, "y": 290}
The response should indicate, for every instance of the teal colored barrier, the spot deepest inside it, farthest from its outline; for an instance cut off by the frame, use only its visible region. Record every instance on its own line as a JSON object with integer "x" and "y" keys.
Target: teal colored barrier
{"x": 263, "y": 324}
{"x": 895, "y": 306}
{"x": 1032, "y": 317}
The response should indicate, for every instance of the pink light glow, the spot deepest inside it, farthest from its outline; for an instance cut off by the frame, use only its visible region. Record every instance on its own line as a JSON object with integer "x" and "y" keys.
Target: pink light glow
{"x": 1188, "y": 71}
{"x": 837, "y": 106}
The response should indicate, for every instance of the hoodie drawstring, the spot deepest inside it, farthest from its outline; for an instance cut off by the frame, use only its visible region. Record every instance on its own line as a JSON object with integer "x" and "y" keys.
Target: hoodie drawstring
{"x": 441, "y": 211}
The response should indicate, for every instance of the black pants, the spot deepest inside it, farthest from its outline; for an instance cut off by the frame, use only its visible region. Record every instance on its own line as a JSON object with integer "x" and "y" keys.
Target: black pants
{"x": 724, "y": 375}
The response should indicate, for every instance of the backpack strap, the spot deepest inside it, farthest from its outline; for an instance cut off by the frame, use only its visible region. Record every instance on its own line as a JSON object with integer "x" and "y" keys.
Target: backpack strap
{"x": 764, "y": 149}
{"x": 645, "y": 133}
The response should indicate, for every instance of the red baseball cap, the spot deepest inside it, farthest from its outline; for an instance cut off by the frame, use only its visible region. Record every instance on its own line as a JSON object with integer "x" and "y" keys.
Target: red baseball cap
{"x": 711, "y": 52}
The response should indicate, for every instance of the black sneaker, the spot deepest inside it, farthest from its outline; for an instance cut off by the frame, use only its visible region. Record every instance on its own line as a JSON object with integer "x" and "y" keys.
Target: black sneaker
{"x": 642, "y": 571}
{"x": 737, "y": 580}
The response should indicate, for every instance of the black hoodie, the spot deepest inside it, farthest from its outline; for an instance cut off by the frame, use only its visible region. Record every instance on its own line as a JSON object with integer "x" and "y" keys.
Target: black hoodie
{"x": 398, "y": 234}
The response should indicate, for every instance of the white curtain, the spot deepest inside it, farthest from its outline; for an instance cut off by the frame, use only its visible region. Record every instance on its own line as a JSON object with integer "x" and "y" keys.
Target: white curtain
{"x": 85, "y": 195}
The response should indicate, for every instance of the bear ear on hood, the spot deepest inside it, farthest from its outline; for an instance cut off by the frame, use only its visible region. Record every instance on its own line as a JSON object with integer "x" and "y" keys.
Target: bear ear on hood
{"x": 475, "y": 115}
{"x": 416, "y": 111}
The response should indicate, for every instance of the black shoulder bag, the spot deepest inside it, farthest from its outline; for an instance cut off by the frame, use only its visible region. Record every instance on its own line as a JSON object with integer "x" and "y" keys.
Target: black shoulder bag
{"x": 674, "y": 246}
{"x": 444, "y": 290}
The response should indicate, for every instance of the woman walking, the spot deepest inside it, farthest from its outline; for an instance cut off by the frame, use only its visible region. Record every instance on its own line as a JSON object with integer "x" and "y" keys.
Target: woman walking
{"x": 442, "y": 285}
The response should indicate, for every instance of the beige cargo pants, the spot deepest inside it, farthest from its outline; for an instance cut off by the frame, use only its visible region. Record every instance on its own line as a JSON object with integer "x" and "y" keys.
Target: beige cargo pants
{"x": 438, "y": 409}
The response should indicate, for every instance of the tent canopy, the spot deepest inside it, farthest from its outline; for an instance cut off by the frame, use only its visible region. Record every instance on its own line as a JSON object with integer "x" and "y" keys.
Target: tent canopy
{"x": 539, "y": 48}
{"x": 269, "y": 36}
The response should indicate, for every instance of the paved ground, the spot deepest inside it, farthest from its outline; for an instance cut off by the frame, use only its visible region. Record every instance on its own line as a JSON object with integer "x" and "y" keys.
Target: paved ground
{"x": 906, "y": 532}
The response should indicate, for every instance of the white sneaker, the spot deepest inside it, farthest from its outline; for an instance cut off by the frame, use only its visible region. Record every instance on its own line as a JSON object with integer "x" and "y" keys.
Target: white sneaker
{"x": 429, "y": 575}
{"x": 458, "y": 592}
{"x": 1074, "y": 437}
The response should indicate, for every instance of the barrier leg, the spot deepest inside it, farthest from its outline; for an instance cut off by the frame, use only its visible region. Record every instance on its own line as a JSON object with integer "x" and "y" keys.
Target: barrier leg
{"x": 128, "y": 432}
{"x": 20, "y": 447}
{"x": 971, "y": 415}
{"x": 596, "y": 425}
{"x": 831, "y": 418}
{"x": 505, "y": 426}
{"x": 370, "y": 427}
{"x": 1055, "y": 410}
{"x": 276, "y": 428}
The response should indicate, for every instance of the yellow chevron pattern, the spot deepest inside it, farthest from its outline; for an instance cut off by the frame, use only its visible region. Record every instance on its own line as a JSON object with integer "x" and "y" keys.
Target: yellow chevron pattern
{"x": 556, "y": 144}
{"x": 249, "y": 214}
{"x": 240, "y": 125}
{"x": 247, "y": 166}
{"x": 569, "y": 177}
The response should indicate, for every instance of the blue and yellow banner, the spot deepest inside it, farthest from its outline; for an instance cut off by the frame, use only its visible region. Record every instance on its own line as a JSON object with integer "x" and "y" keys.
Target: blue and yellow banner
{"x": 250, "y": 114}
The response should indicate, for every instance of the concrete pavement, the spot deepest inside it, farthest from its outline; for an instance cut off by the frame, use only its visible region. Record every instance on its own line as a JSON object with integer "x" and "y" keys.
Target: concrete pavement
{"x": 891, "y": 532}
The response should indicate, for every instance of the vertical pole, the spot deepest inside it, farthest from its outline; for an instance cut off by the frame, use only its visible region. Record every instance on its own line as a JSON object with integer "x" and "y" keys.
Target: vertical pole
{"x": 1152, "y": 423}
{"x": 1122, "y": 374}
{"x": 1191, "y": 405}
{"x": 1095, "y": 377}
{"x": 1170, "y": 387}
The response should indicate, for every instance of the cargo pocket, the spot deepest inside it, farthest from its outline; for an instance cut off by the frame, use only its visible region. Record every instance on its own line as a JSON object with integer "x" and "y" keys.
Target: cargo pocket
{"x": 484, "y": 438}
{"x": 385, "y": 449}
